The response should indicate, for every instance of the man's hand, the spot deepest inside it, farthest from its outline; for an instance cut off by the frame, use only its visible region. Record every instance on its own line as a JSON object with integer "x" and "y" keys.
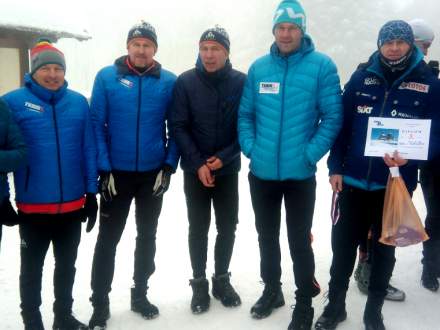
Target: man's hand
{"x": 90, "y": 211}
{"x": 162, "y": 182}
{"x": 107, "y": 187}
{"x": 214, "y": 163}
{"x": 336, "y": 182}
{"x": 205, "y": 176}
{"x": 394, "y": 160}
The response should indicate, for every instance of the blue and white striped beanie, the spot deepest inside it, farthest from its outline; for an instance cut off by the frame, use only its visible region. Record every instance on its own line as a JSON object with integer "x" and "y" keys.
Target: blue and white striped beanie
{"x": 394, "y": 30}
{"x": 290, "y": 11}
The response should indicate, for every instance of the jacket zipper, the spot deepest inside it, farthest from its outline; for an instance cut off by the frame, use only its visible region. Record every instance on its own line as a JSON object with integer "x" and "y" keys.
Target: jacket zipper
{"x": 138, "y": 122}
{"x": 60, "y": 175}
{"x": 370, "y": 162}
{"x": 282, "y": 117}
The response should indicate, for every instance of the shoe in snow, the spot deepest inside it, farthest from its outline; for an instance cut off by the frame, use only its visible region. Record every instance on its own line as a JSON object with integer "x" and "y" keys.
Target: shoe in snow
{"x": 68, "y": 322}
{"x": 141, "y": 305}
{"x": 200, "y": 300}
{"x": 271, "y": 298}
{"x": 302, "y": 317}
{"x": 223, "y": 291}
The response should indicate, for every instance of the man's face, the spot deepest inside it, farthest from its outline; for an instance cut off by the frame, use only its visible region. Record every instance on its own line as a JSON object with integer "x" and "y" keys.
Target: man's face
{"x": 141, "y": 52}
{"x": 395, "y": 49}
{"x": 50, "y": 76}
{"x": 423, "y": 45}
{"x": 213, "y": 56}
{"x": 288, "y": 37}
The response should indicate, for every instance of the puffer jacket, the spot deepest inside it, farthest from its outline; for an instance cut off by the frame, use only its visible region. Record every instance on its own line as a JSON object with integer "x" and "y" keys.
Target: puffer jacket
{"x": 204, "y": 117}
{"x": 290, "y": 113}
{"x": 416, "y": 95}
{"x": 58, "y": 132}
{"x": 12, "y": 149}
{"x": 129, "y": 113}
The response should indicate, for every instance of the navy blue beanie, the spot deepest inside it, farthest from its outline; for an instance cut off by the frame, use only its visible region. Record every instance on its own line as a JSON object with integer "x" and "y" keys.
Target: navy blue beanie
{"x": 142, "y": 30}
{"x": 394, "y": 30}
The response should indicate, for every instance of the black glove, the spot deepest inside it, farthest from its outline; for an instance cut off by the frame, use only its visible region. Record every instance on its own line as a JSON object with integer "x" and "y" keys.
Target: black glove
{"x": 90, "y": 211}
{"x": 8, "y": 215}
{"x": 163, "y": 179}
{"x": 107, "y": 187}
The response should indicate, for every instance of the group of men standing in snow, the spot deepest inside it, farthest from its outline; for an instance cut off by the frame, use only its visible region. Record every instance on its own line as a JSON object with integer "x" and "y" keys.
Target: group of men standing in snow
{"x": 285, "y": 115}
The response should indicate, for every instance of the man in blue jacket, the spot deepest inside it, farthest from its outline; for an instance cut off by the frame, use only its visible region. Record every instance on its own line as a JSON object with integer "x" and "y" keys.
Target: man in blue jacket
{"x": 289, "y": 117}
{"x": 395, "y": 83}
{"x": 12, "y": 155}
{"x": 129, "y": 105}
{"x": 204, "y": 122}
{"x": 56, "y": 190}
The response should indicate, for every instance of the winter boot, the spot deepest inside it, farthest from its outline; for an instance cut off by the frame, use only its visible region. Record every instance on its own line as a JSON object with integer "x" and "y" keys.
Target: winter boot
{"x": 373, "y": 318}
{"x": 429, "y": 277}
{"x": 32, "y": 320}
{"x": 302, "y": 317}
{"x": 101, "y": 313}
{"x": 223, "y": 290}
{"x": 271, "y": 298}
{"x": 333, "y": 314}
{"x": 200, "y": 300}
{"x": 363, "y": 280}
{"x": 141, "y": 305}
{"x": 67, "y": 322}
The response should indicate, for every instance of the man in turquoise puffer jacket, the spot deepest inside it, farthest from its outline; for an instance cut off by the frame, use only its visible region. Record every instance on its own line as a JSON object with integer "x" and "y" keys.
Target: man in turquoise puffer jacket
{"x": 289, "y": 117}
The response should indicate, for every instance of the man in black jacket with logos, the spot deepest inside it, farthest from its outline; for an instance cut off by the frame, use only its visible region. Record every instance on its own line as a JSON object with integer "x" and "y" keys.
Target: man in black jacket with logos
{"x": 204, "y": 125}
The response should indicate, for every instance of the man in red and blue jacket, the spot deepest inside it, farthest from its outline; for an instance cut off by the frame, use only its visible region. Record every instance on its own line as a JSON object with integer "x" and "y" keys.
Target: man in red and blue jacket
{"x": 129, "y": 105}
{"x": 56, "y": 190}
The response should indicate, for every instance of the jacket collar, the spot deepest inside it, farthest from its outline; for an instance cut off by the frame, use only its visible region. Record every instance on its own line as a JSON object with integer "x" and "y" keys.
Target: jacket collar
{"x": 375, "y": 66}
{"x": 43, "y": 93}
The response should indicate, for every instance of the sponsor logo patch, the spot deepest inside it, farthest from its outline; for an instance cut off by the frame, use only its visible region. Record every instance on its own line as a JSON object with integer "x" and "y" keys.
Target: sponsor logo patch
{"x": 364, "y": 109}
{"x": 422, "y": 88}
{"x": 371, "y": 81}
{"x": 33, "y": 107}
{"x": 269, "y": 87}
{"x": 126, "y": 82}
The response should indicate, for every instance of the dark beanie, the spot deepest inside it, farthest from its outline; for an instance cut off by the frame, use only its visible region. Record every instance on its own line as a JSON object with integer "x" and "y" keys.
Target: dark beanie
{"x": 142, "y": 30}
{"x": 394, "y": 30}
{"x": 216, "y": 34}
{"x": 45, "y": 53}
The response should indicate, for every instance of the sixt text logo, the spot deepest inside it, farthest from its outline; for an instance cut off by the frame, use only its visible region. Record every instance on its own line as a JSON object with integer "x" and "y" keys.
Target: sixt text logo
{"x": 363, "y": 109}
{"x": 33, "y": 107}
{"x": 371, "y": 81}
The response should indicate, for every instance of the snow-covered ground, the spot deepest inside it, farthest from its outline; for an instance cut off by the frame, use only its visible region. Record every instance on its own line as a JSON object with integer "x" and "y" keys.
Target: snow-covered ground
{"x": 169, "y": 287}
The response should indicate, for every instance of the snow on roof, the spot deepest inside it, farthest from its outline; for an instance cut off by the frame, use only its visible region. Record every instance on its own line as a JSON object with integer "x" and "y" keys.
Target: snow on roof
{"x": 36, "y": 21}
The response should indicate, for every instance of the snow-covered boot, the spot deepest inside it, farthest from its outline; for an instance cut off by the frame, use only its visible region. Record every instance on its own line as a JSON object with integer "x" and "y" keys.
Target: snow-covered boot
{"x": 334, "y": 312}
{"x": 223, "y": 290}
{"x": 200, "y": 299}
{"x": 373, "y": 318}
{"x": 141, "y": 305}
{"x": 67, "y": 322}
{"x": 302, "y": 317}
{"x": 101, "y": 313}
{"x": 271, "y": 298}
{"x": 32, "y": 320}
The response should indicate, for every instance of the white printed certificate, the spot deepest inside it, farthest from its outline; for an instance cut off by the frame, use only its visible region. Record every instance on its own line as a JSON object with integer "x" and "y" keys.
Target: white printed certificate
{"x": 410, "y": 137}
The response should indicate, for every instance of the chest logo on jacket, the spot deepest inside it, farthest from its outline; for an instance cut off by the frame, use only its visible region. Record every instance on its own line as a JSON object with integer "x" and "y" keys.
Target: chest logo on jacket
{"x": 125, "y": 82}
{"x": 422, "y": 88}
{"x": 33, "y": 107}
{"x": 269, "y": 88}
{"x": 364, "y": 109}
{"x": 371, "y": 81}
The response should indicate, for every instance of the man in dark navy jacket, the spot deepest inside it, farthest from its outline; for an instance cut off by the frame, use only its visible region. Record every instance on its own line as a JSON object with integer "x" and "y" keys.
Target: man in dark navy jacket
{"x": 204, "y": 124}
{"x": 12, "y": 155}
{"x": 129, "y": 105}
{"x": 56, "y": 190}
{"x": 396, "y": 83}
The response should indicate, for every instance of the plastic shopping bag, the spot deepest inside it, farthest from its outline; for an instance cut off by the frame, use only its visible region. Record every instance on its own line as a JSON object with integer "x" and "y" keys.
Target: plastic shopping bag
{"x": 401, "y": 224}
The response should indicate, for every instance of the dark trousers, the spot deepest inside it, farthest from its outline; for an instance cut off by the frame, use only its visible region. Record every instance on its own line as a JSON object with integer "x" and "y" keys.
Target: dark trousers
{"x": 37, "y": 231}
{"x": 299, "y": 201}
{"x": 113, "y": 216}
{"x": 360, "y": 210}
{"x": 430, "y": 182}
{"x": 224, "y": 197}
